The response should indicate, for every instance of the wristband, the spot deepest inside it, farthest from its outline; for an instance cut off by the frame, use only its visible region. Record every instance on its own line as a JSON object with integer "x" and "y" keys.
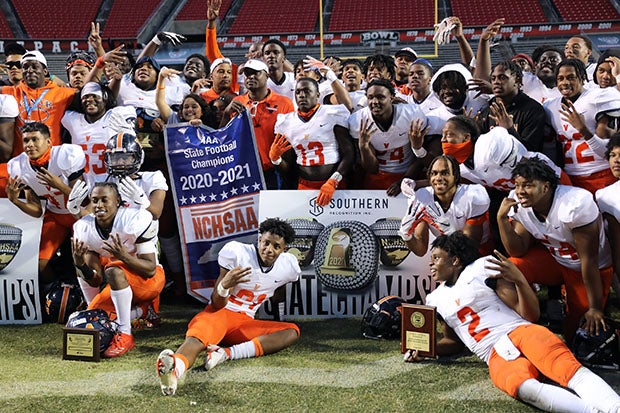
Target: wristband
{"x": 100, "y": 63}
{"x": 156, "y": 40}
{"x": 336, "y": 176}
{"x": 222, "y": 292}
{"x": 277, "y": 161}
{"x": 161, "y": 87}
{"x": 331, "y": 76}
{"x": 420, "y": 153}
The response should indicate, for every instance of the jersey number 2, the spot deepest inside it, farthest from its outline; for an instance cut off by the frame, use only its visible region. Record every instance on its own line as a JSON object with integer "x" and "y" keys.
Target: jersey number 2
{"x": 463, "y": 313}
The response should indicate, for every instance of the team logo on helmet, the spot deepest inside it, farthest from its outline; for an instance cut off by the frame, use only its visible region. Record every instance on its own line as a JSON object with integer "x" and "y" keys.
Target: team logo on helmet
{"x": 95, "y": 319}
{"x": 123, "y": 155}
{"x": 62, "y": 300}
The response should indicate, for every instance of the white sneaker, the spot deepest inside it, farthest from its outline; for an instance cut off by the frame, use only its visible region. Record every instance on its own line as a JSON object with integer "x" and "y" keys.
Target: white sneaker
{"x": 215, "y": 356}
{"x": 166, "y": 372}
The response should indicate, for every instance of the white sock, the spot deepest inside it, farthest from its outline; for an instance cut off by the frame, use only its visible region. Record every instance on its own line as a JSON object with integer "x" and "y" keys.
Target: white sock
{"x": 89, "y": 292}
{"x": 122, "y": 304}
{"x": 242, "y": 351}
{"x": 551, "y": 398}
{"x": 179, "y": 366}
{"x": 594, "y": 390}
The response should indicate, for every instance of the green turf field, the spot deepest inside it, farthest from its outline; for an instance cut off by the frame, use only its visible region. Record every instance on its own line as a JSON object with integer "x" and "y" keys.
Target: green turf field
{"x": 330, "y": 369}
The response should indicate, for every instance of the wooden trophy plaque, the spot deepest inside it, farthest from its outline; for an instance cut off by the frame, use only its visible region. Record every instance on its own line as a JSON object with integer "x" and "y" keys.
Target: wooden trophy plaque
{"x": 80, "y": 344}
{"x": 419, "y": 326}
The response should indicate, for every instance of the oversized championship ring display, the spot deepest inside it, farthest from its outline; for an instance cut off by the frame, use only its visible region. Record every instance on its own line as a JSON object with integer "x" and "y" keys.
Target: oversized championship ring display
{"x": 346, "y": 256}
{"x": 393, "y": 248}
{"x": 307, "y": 231}
{"x": 10, "y": 241}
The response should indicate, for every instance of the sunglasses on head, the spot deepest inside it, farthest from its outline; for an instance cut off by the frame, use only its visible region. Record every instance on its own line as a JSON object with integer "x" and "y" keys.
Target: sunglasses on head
{"x": 12, "y": 65}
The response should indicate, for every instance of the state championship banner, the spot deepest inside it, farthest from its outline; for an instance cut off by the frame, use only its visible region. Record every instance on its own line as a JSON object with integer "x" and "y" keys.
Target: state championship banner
{"x": 216, "y": 177}
{"x": 20, "y": 235}
{"x": 349, "y": 251}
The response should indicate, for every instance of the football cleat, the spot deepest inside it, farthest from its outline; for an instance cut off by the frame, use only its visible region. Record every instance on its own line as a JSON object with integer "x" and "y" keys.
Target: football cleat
{"x": 148, "y": 319}
{"x": 120, "y": 345}
{"x": 215, "y": 355}
{"x": 166, "y": 372}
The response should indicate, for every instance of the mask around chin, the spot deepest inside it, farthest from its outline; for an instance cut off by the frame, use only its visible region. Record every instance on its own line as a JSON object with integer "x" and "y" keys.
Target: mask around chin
{"x": 459, "y": 151}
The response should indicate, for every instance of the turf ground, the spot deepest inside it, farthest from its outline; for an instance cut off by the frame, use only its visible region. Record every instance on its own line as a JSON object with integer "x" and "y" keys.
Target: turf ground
{"x": 330, "y": 369}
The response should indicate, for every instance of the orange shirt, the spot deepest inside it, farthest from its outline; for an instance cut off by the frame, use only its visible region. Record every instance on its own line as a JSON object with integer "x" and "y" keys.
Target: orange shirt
{"x": 212, "y": 51}
{"x": 210, "y": 95}
{"x": 46, "y": 104}
{"x": 264, "y": 115}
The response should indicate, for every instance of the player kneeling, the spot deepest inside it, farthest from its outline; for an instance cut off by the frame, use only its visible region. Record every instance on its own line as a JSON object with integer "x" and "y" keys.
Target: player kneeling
{"x": 249, "y": 275}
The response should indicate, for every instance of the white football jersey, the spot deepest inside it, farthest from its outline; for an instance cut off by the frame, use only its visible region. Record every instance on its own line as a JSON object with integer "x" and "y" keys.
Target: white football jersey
{"x": 474, "y": 311}
{"x": 130, "y": 224}
{"x": 176, "y": 89}
{"x": 93, "y": 137}
{"x": 470, "y": 201}
{"x": 358, "y": 99}
{"x": 65, "y": 160}
{"x": 572, "y": 207}
{"x": 248, "y": 296}
{"x": 579, "y": 159}
{"x": 608, "y": 200}
{"x": 392, "y": 147}
{"x": 536, "y": 89}
{"x": 431, "y": 102}
{"x": 131, "y": 95}
{"x": 8, "y": 107}
{"x": 495, "y": 154}
{"x": 438, "y": 117}
{"x": 314, "y": 141}
{"x": 286, "y": 88}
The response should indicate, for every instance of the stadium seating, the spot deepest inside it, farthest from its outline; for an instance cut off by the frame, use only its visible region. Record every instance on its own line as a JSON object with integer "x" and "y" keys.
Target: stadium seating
{"x": 586, "y": 10}
{"x": 269, "y": 16}
{"x": 483, "y": 12}
{"x": 197, "y": 10}
{"x": 126, "y": 18}
{"x": 57, "y": 19}
{"x": 353, "y": 15}
{"x": 5, "y": 30}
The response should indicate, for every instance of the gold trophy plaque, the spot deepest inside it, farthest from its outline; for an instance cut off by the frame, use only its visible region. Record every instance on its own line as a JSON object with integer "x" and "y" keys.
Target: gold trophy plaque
{"x": 80, "y": 344}
{"x": 419, "y": 326}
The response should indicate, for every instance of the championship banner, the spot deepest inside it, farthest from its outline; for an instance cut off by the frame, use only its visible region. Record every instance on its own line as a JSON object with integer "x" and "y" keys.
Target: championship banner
{"x": 216, "y": 177}
{"x": 349, "y": 251}
{"x": 20, "y": 235}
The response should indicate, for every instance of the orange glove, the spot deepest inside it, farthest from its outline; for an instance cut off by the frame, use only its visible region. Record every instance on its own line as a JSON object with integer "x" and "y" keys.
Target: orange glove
{"x": 279, "y": 146}
{"x": 326, "y": 192}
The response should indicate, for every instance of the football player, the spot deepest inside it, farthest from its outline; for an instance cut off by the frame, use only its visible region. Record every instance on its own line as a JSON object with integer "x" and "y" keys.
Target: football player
{"x": 573, "y": 249}
{"x": 608, "y": 200}
{"x": 47, "y": 172}
{"x": 487, "y": 305}
{"x": 580, "y": 128}
{"x": 93, "y": 128}
{"x": 319, "y": 138}
{"x": 445, "y": 207}
{"x": 118, "y": 244}
{"x": 382, "y": 134}
{"x": 249, "y": 275}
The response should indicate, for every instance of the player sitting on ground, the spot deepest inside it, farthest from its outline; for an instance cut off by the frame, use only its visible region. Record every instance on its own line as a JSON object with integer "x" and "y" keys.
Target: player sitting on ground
{"x": 487, "y": 305}
{"x": 249, "y": 275}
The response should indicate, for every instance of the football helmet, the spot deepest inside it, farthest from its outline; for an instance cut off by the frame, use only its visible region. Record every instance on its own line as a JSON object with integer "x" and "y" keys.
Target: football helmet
{"x": 600, "y": 351}
{"x": 123, "y": 155}
{"x": 382, "y": 319}
{"x": 62, "y": 300}
{"x": 95, "y": 319}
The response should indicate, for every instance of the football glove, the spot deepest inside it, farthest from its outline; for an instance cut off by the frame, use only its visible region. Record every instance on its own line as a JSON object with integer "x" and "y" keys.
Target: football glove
{"x": 442, "y": 31}
{"x": 407, "y": 187}
{"x": 132, "y": 193}
{"x": 327, "y": 192}
{"x": 416, "y": 213}
{"x": 79, "y": 192}
{"x": 279, "y": 146}
{"x": 174, "y": 39}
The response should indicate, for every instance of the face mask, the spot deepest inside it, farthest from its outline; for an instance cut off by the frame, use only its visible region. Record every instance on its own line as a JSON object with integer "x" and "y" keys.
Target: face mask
{"x": 459, "y": 151}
